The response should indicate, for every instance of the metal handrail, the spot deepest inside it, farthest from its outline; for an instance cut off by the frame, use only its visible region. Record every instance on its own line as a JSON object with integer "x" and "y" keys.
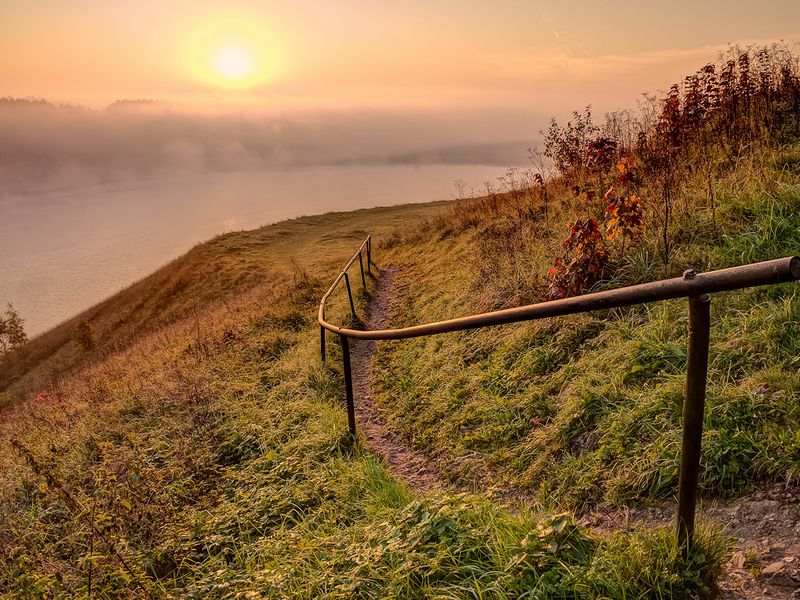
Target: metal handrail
{"x": 690, "y": 284}
{"x": 697, "y": 287}
{"x": 366, "y": 246}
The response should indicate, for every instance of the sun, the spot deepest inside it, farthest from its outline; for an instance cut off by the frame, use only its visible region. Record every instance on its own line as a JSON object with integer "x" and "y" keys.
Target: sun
{"x": 235, "y": 63}
{"x": 232, "y": 55}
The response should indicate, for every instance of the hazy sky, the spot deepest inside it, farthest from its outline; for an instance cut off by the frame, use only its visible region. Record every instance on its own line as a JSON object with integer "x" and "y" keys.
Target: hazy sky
{"x": 312, "y": 54}
{"x": 248, "y": 84}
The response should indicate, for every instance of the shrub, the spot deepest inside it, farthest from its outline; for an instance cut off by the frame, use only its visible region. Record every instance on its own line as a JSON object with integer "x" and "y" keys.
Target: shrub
{"x": 583, "y": 263}
{"x": 12, "y": 331}
{"x": 84, "y": 335}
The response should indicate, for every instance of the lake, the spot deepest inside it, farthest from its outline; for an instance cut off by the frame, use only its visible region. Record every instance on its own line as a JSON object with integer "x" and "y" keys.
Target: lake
{"x": 63, "y": 251}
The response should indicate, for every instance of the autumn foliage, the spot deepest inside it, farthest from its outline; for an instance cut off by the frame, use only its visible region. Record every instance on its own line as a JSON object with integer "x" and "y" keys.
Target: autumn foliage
{"x": 653, "y": 170}
{"x": 583, "y": 263}
{"x": 625, "y": 208}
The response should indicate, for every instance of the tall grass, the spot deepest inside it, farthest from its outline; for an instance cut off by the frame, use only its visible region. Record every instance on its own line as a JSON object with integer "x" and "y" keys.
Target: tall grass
{"x": 586, "y": 409}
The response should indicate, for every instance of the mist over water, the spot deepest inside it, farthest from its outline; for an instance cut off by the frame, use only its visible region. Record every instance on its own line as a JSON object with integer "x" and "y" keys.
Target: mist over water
{"x": 92, "y": 200}
{"x": 63, "y": 251}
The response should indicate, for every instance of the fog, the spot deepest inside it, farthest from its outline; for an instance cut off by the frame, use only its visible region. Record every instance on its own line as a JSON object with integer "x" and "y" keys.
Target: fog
{"x": 91, "y": 200}
{"x": 45, "y": 146}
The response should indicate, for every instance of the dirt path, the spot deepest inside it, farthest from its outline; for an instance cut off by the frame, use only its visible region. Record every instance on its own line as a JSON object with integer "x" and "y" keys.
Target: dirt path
{"x": 417, "y": 470}
{"x": 764, "y": 525}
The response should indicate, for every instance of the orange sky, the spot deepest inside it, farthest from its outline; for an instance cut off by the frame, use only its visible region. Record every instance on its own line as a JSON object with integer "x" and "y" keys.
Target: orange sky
{"x": 325, "y": 54}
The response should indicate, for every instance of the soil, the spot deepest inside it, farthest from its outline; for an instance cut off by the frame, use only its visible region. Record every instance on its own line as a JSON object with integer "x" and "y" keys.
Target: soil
{"x": 417, "y": 470}
{"x": 765, "y": 529}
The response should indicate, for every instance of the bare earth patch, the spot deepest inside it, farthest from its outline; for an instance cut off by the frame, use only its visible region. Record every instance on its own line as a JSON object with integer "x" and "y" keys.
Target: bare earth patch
{"x": 764, "y": 525}
{"x": 414, "y": 468}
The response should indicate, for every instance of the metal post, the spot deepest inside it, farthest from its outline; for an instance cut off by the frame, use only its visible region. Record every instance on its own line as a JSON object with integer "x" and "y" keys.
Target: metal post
{"x": 350, "y": 294}
{"x": 322, "y": 343}
{"x": 361, "y": 264}
{"x": 348, "y": 385}
{"x": 693, "y": 409}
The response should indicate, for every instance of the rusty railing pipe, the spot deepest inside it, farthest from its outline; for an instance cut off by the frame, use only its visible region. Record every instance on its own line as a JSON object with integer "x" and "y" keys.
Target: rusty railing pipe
{"x": 348, "y": 385}
{"x": 769, "y": 272}
{"x": 361, "y": 265}
{"x": 350, "y": 295}
{"x": 695, "y": 286}
{"x": 693, "y": 412}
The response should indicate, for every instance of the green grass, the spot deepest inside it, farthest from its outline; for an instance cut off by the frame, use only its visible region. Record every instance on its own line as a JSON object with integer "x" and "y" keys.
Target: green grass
{"x": 208, "y": 457}
{"x": 586, "y": 409}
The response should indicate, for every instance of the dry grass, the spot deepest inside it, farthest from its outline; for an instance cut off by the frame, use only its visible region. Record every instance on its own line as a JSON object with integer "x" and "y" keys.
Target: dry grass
{"x": 217, "y": 270}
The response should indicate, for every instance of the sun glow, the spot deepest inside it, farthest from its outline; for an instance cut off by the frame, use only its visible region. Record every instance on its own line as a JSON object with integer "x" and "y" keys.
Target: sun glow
{"x": 233, "y": 55}
{"x": 233, "y": 62}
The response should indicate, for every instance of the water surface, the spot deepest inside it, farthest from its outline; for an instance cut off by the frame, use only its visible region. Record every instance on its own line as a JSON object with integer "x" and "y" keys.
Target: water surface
{"x": 62, "y": 252}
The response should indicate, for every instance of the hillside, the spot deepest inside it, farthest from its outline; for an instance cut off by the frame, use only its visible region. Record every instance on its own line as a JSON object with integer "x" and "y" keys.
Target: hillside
{"x": 210, "y": 456}
{"x": 209, "y": 273}
{"x": 201, "y": 450}
{"x": 586, "y": 408}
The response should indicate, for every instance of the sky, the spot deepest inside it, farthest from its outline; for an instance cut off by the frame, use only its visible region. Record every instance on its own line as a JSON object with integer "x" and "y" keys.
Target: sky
{"x": 347, "y": 54}
{"x": 247, "y": 84}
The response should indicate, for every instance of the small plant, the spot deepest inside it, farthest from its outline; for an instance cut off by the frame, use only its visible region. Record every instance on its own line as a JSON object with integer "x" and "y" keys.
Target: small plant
{"x": 566, "y": 146}
{"x": 12, "y": 331}
{"x": 542, "y": 172}
{"x": 583, "y": 263}
{"x": 84, "y": 335}
{"x": 626, "y": 219}
{"x": 752, "y": 562}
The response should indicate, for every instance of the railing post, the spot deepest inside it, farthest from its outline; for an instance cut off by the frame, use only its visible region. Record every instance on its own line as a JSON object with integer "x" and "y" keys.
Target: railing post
{"x": 361, "y": 264}
{"x": 348, "y": 385}
{"x": 693, "y": 410}
{"x": 350, "y": 295}
{"x": 322, "y": 343}
{"x": 369, "y": 255}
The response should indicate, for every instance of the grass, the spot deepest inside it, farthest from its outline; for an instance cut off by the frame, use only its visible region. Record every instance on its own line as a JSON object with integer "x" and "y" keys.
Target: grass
{"x": 200, "y": 450}
{"x": 209, "y": 457}
{"x": 215, "y": 271}
{"x": 586, "y": 409}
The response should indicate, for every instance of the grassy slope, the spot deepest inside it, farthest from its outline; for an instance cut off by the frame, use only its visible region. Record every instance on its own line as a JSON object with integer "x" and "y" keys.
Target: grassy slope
{"x": 218, "y": 269}
{"x": 208, "y": 457}
{"x": 586, "y": 409}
